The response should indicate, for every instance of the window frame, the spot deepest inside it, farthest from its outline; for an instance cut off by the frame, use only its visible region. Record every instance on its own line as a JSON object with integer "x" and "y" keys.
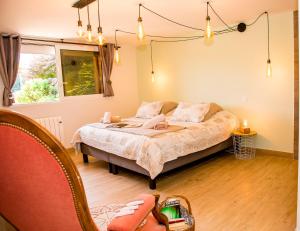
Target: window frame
{"x": 58, "y": 48}
{"x": 59, "y": 74}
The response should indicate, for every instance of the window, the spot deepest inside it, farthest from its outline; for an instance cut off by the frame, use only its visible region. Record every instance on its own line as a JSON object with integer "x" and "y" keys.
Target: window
{"x": 80, "y": 72}
{"x": 36, "y": 80}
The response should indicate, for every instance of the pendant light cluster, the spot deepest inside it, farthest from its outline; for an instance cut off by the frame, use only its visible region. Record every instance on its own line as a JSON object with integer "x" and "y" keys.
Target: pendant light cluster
{"x": 89, "y": 32}
{"x": 207, "y": 34}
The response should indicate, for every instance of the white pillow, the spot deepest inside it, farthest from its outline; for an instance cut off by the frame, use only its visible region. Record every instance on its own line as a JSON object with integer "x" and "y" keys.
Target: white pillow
{"x": 188, "y": 112}
{"x": 149, "y": 110}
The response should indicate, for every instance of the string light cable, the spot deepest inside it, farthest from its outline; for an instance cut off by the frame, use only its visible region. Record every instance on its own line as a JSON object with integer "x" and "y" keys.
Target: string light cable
{"x": 170, "y": 20}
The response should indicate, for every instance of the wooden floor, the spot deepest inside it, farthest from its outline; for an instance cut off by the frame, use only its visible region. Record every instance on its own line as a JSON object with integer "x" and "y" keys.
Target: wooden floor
{"x": 226, "y": 194}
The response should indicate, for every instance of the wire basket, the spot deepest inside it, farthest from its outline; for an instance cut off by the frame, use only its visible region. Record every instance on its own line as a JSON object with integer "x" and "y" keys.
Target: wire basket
{"x": 244, "y": 146}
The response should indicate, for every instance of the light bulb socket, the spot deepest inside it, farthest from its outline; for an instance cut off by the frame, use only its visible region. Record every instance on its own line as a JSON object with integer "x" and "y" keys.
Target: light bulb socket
{"x": 89, "y": 27}
{"x": 79, "y": 23}
{"x": 152, "y": 72}
{"x": 140, "y": 19}
{"x": 269, "y": 61}
{"x": 207, "y": 18}
{"x": 100, "y": 29}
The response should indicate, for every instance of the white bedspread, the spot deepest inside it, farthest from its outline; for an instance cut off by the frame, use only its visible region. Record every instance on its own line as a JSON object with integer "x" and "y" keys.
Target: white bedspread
{"x": 152, "y": 153}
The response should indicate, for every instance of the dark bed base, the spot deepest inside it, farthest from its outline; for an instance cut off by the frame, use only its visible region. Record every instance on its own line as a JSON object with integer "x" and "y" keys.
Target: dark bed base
{"x": 115, "y": 161}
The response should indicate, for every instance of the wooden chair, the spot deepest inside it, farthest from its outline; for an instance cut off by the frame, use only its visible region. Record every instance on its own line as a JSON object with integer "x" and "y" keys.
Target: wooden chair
{"x": 40, "y": 186}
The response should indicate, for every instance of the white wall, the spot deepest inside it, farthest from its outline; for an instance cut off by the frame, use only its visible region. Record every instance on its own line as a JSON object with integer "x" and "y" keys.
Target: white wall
{"x": 231, "y": 72}
{"x": 79, "y": 110}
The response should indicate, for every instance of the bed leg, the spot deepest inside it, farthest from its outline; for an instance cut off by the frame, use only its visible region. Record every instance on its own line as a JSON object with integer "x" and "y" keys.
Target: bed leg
{"x": 115, "y": 169}
{"x": 110, "y": 168}
{"x": 152, "y": 183}
{"x": 85, "y": 158}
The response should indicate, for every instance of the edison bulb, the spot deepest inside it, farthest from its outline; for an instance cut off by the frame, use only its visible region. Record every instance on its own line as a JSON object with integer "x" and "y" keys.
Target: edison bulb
{"x": 89, "y": 33}
{"x": 90, "y": 36}
{"x": 117, "y": 56}
{"x": 152, "y": 77}
{"x": 140, "y": 29}
{"x": 80, "y": 31}
{"x": 269, "y": 68}
{"x": 209, "y": 34}
{"x": 100, "y": 39}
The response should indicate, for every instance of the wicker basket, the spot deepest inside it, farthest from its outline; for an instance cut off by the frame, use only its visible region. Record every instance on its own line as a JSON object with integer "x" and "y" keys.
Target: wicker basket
{"x": 190, "y": 221}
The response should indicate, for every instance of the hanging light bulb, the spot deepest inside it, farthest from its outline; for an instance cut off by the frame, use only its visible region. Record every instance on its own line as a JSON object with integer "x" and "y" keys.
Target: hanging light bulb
{"x": 152, "y": 76}
{"x": 269, "y": 68}
{"x": 140, "y": 28}
{"x": 89, "y": 34}
{"x": 117, "y": 55}
{"x": 100, "y": 36}
{"x": 209, "y": 34}
{"x": 80, "y": 31}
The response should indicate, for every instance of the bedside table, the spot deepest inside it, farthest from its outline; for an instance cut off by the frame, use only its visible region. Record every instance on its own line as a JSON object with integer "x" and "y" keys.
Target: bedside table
{"x": 244, "y": 145}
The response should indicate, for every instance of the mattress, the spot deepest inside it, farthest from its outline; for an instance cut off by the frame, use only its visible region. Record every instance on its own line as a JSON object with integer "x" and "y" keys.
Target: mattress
{"x": 152, "y": 152}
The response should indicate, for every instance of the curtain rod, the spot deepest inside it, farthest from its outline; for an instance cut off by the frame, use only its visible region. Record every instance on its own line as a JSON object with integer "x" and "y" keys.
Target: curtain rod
{"x": 57, "y": 41}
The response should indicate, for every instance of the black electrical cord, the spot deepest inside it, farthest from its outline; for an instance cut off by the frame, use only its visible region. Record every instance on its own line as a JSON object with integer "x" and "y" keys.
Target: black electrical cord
{"x": 268, "y": 22}
{"x": 184, "y": 39}
{"x": 78, "y": 15}
{"x": 170, "y": 20}
{"x": 258, "y": 17}
{"x": 220, "y": 18}
{"x": 232, "y": 28}
{"x": 177, "y": 40}
{"x": 88, "y": 13}
{"x": 99, "y": 19}
{"x": 116, "y": 41}
{"x": 160, "y": 36}
{"x": 151, "y": 52}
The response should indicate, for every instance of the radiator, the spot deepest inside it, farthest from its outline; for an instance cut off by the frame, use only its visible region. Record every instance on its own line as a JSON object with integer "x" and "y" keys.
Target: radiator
{"x": 54, "y": 125}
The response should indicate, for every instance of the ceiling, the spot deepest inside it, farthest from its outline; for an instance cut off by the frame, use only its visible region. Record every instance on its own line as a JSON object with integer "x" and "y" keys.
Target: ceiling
{"x": 57, "y": 19}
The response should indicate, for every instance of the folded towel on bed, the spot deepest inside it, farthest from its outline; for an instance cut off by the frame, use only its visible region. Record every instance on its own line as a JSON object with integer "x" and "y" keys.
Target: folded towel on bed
{"x": 161, "y": 125}
{"x": 154, "y": 121}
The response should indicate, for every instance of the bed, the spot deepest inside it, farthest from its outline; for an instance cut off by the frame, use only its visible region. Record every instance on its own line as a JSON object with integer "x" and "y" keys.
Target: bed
{"x": 159, "y": 153}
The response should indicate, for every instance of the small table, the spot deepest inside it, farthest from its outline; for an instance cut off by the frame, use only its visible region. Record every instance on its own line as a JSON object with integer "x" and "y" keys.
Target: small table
{"x": 244, "y": 145}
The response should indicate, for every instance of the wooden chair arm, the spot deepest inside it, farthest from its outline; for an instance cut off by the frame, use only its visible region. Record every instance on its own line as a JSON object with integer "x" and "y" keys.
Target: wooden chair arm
{"x": 160, "y": 217}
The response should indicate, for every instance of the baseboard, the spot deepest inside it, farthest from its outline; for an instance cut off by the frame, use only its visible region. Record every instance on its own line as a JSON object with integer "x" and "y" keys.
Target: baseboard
{"x": 260, "y": 151}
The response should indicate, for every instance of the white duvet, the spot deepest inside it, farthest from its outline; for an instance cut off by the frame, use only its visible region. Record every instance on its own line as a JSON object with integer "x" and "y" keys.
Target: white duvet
{"x": 152, "y": 153}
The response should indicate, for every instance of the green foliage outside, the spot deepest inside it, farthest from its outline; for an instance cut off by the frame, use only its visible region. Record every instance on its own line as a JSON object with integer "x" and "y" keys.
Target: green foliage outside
{"x": 44, "y": 68}
{"x": 37, "y": 90}
{"x": 37, "y": 82}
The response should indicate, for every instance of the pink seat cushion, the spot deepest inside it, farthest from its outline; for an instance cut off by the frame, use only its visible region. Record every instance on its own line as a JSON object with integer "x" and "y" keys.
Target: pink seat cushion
{"x": 34, "y": 191}
{"x": 131, "y": 222}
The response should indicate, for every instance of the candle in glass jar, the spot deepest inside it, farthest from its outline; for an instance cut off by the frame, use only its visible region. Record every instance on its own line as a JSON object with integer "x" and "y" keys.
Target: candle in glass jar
{"x": 245, "y": 128}
{"x": 245, "y": 123}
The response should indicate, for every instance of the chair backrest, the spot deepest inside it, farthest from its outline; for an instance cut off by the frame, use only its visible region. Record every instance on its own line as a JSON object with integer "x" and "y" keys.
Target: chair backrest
{"x": 40, "y": 187}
